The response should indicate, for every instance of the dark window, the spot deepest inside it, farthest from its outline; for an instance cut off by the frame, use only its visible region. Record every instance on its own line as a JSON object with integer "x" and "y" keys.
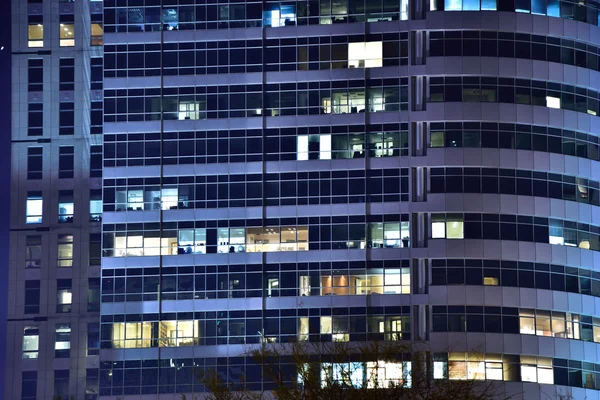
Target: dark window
{"x": 29, "y": 385}
{"x": 34, "y": 162}
{"x": 94, "y": 294}
{"x": 67, "y": 74}
{"x": 66, "y": 119}
{"x": 35, "y": 74}
{"x": 32, "y": 297}
{"x": 35, "y": 119}
{"x": 96, "y": 162}
{"x": 66, "y": 161}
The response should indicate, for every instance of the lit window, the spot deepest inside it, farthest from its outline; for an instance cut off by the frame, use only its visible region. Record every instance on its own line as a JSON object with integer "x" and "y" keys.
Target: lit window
{"x": 304, "y": 285}
{"x": 303, "y": 329}
{"x": 170, "y": 19}
{"x": 342, "y": 373}
{"x": 191, "y": 110}
{"x": 65, "y": 206}
{"x": 178, "y": 333}
{"x": 64, "y": 296}
{"x": 383, "y": 374}
{"x": 97, "y": 34}
{"x": 95, "y": 205}
{"x": 552, "y": 102}
{"x": 35, "y": 34}
{"x": 67, "y": 35}
{"x": 31, "y": 342}
{"x": 192, "y": 241}
{"x": 527, "y": 322}
{"x": 286, "y": 15}
{"x": 490, "y": 281}
{"x": 454, "y": 227}
{"x": 438, "y": 226}
{"x": 440, "y": 370}
{"x": 169, "y": 198}
{"x": 326, "y": 326}
{"x": 65, "y": 250}
{"x": 536, "y": 369}
{"x": 313, "y": 147}
{"x": 437, "y": 139}
{"x": 33, "y": 251}
{"x": 272, "y": 286}
{"x": 365, "y": 55}
{"x": 34, "y": 208}
{"x": 131, "y": 335}
{"x": 62, "y": 343}
{"x": 231, "y": 240}
{"x": 389, "y": 235}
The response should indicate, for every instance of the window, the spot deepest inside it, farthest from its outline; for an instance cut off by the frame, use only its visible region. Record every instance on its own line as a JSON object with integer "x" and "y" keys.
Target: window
{"x": 454, "y": 226}
{"x": 303, "y": 329}
{"x": 65, "y": 206}
{"x": 549, "y": 323}
{"x": 65, "y": 251}
{"x": 31, "y": 342}
{"x": 97, "y": 33}
{"x": 304, "y": 285}
{"x": 170, "y": 19}
{"x": 277, "y": 239}
{"x": 66, "y": 74}
{"x": 389, "y": 235}
{"x": 35, "y": 75}
{"x": 272, "y": 287}
{"x": 95, "y": 249}
{"x": 32, "y": 297}
{"x": 66, "y": 161}
{"x": 35, "y": 35}
{"x": 93, "y": 338}
{"x": 96, "y": 161}
{"x": 552, "y": 102}
{"x": 326, "y": 326}
{"x": 67, "y": 35}
{"x": 374, "y": 281}
{"x": 473, "y": 366}
{"x": 96, "y": 205}
{"x": 437, "y": 139}
{"x": 536, "y": 369}
{"x": 96, "y": 78}
{"x": 66, "y": 120}
{"x": 62, "y": 342}
{"x": 64, "y": 295}
{"x": 61, "y": 383}
{"x": 192, "y": 241}
{"x": 132, "y": 335}
{"x": 343, "y": 373}
{"x": 365, "y": 55}
{"x": 34, "y": 162}
{"x": 383, "y": 374}
{"x": 448, "y": 226}
{"x": 191, "y": 110}
{"x": 33, "y": 251}
{"x": 33, "y": 208}
{"x": 178, "y": 333}
{"x": 35, "y": 119}
{"x": 93, "y": 294}
{"x": 314, "y": 147}
{"x": 92, "y": 383}
{"x": 29, "y": 385}
{"x": 277, "y": 16}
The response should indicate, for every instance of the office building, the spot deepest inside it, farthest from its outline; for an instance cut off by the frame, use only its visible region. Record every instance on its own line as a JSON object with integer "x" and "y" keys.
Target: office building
{"x": 330, "y": 171}
{"x": 56, "y": 200}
